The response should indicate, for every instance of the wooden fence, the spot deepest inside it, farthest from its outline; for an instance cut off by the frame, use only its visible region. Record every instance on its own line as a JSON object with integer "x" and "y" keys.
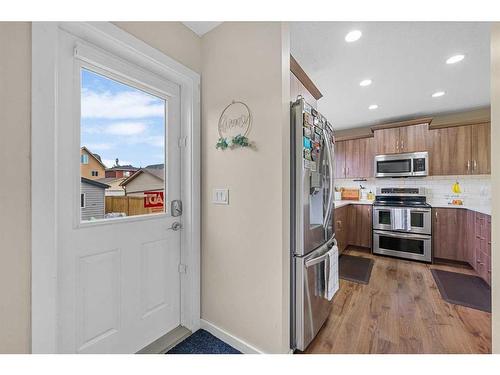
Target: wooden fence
{"x": 130, "y": 205}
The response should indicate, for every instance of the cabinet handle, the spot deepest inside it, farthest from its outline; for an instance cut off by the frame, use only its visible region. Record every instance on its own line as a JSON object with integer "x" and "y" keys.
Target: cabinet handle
{"x": 468, "y": 166}
{"x": 475, "y": 165}
{"x": 402, "y": 145}
{"x": 436, "y": 214}
{"x": 397, "y": 145}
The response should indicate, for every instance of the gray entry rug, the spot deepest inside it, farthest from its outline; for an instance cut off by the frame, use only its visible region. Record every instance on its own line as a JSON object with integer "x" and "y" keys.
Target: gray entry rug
{"x": 465, "y": 290}
{"x": 356, "y": 269}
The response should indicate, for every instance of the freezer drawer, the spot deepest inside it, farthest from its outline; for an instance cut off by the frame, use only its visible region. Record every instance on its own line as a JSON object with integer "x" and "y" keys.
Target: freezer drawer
{"x": 312, "y": 306}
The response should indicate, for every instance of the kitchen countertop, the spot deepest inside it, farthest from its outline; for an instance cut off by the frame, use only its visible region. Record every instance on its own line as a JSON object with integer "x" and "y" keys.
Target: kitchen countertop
{"x": 481, "y": 208}
{"x": 478, "y": 207}
{"x": 343, "y": 203}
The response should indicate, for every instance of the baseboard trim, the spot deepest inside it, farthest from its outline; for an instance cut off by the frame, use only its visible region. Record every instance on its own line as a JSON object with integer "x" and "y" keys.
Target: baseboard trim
{"x": 167, "y": 341}
{"x": 230, "y": 339}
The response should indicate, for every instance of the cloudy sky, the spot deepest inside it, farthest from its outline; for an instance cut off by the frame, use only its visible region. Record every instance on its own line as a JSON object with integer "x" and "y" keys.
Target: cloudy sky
{"x": 119, "y": 121}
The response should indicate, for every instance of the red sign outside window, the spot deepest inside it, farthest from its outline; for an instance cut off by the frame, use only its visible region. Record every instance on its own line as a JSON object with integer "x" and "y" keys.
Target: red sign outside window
{"x": 153, "y": 199}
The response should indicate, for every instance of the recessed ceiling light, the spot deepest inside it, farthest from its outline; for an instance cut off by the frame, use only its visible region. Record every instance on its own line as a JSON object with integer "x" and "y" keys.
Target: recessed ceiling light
{"x": 373, "y": 106}
{"x": 352, "y": 36}
{"x": 365, "y": 82}
{"x": 455, "y": 59}
{"x": 438, "y": 94}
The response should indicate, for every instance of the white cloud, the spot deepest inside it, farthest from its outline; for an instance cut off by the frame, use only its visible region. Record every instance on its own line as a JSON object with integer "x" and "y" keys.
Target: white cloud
{"x": 125, "y": 128}
{"x": 157, "y": 141}
{"x": 100, "y": 146}
{"x": 122, "y": 105}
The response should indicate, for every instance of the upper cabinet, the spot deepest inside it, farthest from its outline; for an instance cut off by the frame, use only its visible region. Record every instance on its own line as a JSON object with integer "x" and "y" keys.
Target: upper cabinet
{"x": 414, "y": 138}
{"x": 460, "y": 150}
{"x": 387, "y": 141}
{"x": 354, "y": 158}
{"x": 481, "y": 149}
{"x": 402, "y": 139}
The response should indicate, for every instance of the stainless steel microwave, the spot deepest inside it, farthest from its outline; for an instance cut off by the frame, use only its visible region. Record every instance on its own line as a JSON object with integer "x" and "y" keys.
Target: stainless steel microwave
{"x": 413, "y": 164}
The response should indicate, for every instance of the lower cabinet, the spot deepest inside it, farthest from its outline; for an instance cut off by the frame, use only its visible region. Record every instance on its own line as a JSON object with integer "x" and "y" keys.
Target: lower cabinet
{"x": 353, "y": 226}
{"x": 341, "y": 227}
{"x": 464, "y": 236}
{"x": 360, "y": 225}
{"x": 482, "y": 246}
{"x": 449, "y": 234}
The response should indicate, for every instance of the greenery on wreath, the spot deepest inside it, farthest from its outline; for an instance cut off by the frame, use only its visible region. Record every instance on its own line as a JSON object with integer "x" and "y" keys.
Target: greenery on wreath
{"x": 236, "y": 141}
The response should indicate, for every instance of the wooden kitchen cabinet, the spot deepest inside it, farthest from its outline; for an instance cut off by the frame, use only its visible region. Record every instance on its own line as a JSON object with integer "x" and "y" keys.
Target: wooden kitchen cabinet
{"x": 460, "y": 150}
{"x": 414, "y": 138}
{"x": 353, "y": 226}
{"x": 450, "y": 150}
{"x": 482, "y": 246}
{"x": 351, "y": 158}
{"x": 354, "y": 158}
{"x": 360, "y": 225}
{"x": 339, "y": 154}
{"x": 341, "y": 227}
{"x": 449, "y": 234}
{"x": 481, "y": 149}
{"x": 387, "y": 141}
{"x": 402, "y": 139}
{"x": 465, "y": 236}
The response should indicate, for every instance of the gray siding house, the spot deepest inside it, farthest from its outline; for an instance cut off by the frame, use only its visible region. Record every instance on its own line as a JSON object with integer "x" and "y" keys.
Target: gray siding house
{"x": 92, "y": 200}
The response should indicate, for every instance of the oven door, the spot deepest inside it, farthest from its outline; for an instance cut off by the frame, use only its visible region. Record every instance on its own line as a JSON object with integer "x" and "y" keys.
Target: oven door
{"x": 420, "y": 219}
{"x": 403, "y": 245}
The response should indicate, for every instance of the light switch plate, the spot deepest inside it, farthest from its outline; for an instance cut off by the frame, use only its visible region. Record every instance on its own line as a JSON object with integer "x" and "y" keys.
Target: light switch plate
{"x": 220, "y": 196}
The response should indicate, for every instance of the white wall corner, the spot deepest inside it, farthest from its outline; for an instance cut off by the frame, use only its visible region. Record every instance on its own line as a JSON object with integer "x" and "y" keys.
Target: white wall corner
{"x": 228, "y": 338}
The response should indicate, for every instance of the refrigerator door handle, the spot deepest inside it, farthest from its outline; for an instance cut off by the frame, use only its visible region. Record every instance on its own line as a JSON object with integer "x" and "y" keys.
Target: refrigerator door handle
{"x": 314, "y": 261}
{"x": 330, "y": 170}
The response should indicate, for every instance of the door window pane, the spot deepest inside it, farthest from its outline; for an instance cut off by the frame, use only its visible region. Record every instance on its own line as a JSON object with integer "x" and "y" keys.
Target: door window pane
{"x": 122, "y": 148}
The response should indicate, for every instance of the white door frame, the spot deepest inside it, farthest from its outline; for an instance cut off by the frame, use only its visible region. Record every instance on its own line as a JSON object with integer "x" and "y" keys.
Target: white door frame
{"x": 44, "y": 93}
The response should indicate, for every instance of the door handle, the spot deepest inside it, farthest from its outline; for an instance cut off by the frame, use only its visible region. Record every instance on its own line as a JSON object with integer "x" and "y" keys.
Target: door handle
{"x": 330, "y": 171}
{"x": 175, "y": 226}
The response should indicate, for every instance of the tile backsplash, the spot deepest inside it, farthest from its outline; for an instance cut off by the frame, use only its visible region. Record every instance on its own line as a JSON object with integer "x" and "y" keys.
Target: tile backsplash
{"x": 476, "y": 190}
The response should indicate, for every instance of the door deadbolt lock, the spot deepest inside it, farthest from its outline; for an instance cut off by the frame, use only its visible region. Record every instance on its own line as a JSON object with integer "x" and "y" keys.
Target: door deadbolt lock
{"x": 176, "y": 208}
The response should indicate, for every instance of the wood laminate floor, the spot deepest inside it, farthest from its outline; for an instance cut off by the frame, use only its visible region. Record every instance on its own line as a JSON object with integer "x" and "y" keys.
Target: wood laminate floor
{"x": 400, "y": 311}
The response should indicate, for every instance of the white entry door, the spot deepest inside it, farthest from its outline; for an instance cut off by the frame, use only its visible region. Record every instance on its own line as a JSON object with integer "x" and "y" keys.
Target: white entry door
{"x": 118, "y": 168}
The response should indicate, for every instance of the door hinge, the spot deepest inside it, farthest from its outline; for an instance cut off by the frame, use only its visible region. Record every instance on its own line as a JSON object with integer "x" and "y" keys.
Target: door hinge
{"x": 182, "y": 142}
{"x": 182, "y": 268}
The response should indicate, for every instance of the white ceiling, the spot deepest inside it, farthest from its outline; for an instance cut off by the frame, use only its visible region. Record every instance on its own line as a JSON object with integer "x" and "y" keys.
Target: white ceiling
{"x": 405, "y": 60}
{"x": 201, "y": 27}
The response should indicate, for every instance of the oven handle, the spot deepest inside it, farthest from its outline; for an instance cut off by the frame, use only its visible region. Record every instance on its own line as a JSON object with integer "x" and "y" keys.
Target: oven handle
{"x": 411, "y": 209}
{"x": 402, "y": 235}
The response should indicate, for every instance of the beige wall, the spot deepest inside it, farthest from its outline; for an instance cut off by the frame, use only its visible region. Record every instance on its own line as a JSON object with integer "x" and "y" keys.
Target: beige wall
{"x": 172, "y": 38}
{"x": 15, "y": 214}
{"x": 495, "y": 179}
{"x": 244, "y": 261}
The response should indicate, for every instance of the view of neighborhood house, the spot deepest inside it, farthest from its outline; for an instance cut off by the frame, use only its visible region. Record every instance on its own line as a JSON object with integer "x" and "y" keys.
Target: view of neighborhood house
{"x": 122, "y": 151}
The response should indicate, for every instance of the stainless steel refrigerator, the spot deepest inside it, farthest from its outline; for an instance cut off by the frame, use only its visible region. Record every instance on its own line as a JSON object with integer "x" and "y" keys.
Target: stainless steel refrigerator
{"x": 314, "y": 254}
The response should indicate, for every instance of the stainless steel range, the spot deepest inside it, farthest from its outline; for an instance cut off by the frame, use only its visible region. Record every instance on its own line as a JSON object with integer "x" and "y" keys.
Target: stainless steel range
{"x": 402, "y": 224}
